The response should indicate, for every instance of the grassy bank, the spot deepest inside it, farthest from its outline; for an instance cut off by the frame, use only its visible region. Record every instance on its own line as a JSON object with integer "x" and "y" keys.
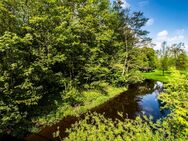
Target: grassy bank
{"x": 158, "y": 75}
{"x": 91, "y": 99}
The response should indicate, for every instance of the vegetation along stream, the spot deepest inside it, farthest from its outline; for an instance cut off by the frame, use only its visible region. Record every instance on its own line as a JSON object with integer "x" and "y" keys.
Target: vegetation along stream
{"x": 139, "y": 99}
{"x": 71, "y": 70}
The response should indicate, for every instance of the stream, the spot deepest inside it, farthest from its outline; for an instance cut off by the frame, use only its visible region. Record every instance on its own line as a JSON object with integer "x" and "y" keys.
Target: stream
{"x": 139, "y": 99}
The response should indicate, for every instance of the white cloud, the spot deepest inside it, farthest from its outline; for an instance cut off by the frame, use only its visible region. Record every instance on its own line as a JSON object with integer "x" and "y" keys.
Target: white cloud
{"x": 186, "y": 48}
{"x": 157, "y": 45}
{"x": 163, "y": 35}
{"x": 176, "y": 37}
{"x": 150, "y": 22}
{"x": 125, "y": 4}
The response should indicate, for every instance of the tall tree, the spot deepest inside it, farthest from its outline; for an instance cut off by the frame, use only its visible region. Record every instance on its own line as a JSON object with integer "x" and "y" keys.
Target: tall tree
{"x": 182, "y": 61}
{"x": 164, "y": 56}
{"x": 176, "y": 50}
{"x": 130, "y": 32}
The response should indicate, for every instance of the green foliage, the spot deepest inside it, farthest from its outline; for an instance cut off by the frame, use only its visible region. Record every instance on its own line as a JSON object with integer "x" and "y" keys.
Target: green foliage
{"x": 71, "y": 95}
{"x": 90, "y": 98}
{"x": 15, "y": 90}
{"x": 51, "y": 49}
{"x": 135, "y": 76}
{"x": 97, "y": 128}
{"x": 151, "y": 58}
{"x": 176, "y": 98}
{"x": 9, "y": 114}
{"x": 182, "y": 61}
{"x": 172, "y": 128}
{"x": 60, "y": 58}
{"x": 164, "y": 60}
{"x": 144, "y": 59}
{"x": 173, "y": 56}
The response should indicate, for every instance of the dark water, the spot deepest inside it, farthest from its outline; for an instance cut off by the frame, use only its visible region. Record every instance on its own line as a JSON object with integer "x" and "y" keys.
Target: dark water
{"x": 139, "y": 99}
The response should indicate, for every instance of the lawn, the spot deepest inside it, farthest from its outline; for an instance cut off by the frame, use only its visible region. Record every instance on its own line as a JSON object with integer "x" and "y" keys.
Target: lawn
{"x": 158, "y": 75}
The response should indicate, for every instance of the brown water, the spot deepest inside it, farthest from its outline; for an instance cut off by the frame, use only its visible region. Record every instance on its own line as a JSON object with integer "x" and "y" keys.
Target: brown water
{"x": 139, "y": 99}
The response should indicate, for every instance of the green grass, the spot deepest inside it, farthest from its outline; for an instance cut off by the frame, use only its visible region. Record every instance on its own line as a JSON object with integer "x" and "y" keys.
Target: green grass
{"x": 158, "y": 75}
{"x": 91, "y": 99}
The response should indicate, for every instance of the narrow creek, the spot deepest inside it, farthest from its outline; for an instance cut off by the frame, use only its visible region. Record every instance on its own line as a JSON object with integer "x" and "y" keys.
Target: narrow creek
{"x": 139, "y": 99}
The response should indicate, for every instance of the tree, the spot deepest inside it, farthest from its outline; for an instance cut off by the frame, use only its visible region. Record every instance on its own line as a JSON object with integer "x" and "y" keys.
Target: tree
{"x": 130, "y": 33}
{"x": 178, "y": 56}
{"x": 150, "y": 58}
{"x": 182, "y": 61}
{"x": 48, "y": 47}
{"x": 164, "y": 54}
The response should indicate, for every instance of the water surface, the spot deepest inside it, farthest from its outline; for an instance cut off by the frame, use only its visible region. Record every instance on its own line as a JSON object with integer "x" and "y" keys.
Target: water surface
{"x": 139, "y": 99}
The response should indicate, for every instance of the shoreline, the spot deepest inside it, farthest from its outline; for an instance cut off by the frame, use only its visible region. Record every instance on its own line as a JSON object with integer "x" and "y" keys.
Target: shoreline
{"x": 69, "y": 111}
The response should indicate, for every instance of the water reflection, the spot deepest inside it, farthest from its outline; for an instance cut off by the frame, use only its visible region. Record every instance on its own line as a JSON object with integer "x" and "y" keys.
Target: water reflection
{"x": 150, "y": 105}
{"x": 138, "y": 99}
{"x": 158, "y": 86}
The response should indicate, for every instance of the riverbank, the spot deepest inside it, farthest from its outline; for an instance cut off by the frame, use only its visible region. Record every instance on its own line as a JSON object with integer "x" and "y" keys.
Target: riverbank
{"x": 90, "y": 98}
{"x": 130, "y": 103}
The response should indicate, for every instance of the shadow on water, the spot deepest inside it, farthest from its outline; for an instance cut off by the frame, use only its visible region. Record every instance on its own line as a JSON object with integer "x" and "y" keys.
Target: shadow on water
{"x": 139, "y": 99}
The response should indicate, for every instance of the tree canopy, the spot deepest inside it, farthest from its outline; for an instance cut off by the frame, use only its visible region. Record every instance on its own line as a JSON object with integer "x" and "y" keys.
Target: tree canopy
{"x": 48, "y": 47}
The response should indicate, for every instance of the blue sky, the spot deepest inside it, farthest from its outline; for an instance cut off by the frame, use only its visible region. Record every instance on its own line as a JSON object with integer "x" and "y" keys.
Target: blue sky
{"x": 168, "y": 19}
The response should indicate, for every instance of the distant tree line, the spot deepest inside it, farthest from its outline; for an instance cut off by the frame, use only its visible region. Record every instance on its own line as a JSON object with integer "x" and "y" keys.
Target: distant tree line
{"x": 172, "y": 56}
